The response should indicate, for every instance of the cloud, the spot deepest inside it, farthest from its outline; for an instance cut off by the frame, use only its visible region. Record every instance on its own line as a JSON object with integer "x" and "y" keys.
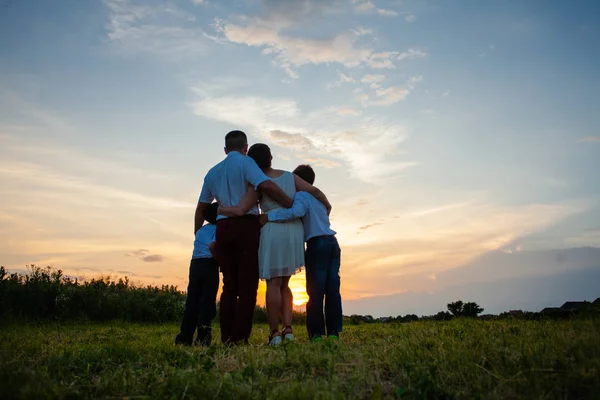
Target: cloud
{"x": 363, "y": 6}
{"x": 138, "y": 253}
{"x": 290, "y": 52}
{"x": 153, "y": 258}
{"x": 589, "y": 139}
{"x": 389, "y": 96}
{"x": 158, "y": 28}
{"x": 365, "y": 227}
{"x": 384, "y": 96}
{"x": 373, "y": 80}
{"x": 44, "y": 177}
{"x": 348, "y": 111}
{"x": 387, "y": 13}
{"x": 143, "y": 254}
{"x": 342, "y": 79}
{"x": 381, "y": 60}
{"x": 367, "y": 6}
{"x": 270, "y": 30}
{"x": 410, "y": 18}
{"x": 411, "y": 54}
{"x": 292, "y": 140}
{"x": 369, "y": 146}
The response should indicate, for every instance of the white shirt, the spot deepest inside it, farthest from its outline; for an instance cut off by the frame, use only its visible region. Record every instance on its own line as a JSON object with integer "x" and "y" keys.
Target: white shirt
{"x": 228, "y": 181}
{"x": 312, "y": 211}
{"x": 204, "y": 237}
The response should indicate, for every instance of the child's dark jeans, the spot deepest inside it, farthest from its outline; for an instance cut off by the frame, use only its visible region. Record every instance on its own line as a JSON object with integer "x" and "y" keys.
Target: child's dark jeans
{"x": 200, "y": 305}
{"x": 323, "y": 282}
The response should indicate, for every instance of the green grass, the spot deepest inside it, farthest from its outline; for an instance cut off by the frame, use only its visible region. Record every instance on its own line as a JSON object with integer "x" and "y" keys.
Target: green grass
{"x": 460, "y": 359}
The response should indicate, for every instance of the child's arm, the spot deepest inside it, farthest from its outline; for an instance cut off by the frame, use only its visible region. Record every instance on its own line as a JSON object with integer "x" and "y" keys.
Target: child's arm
{"x": 298, "y": 210}
{"x": 248, "y": 201}
{"x": 303, "y": 186}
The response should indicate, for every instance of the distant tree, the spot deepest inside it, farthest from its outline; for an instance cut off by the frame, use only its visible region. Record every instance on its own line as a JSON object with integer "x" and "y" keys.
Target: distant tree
{"x": 456, "y": 308}
{"x": 443, "y": 316}
{"x": 461, "y": 309}
{"x": 471, "y": 310}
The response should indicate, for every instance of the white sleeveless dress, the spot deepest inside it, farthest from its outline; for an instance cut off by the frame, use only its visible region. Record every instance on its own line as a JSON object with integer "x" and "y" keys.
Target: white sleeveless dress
{"x": 281, "y": 251}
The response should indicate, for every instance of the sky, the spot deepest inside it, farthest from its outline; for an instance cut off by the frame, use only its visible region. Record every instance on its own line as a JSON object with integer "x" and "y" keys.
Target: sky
{"x": 455, "y": 139}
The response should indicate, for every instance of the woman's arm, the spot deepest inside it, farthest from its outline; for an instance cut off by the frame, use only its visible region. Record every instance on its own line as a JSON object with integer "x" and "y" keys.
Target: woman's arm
{"x": 303, "y": 186}
{"x": 248, "y": 201}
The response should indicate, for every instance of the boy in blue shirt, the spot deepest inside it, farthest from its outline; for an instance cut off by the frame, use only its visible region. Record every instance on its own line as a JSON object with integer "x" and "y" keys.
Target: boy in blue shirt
{"x": 200, "y": 305}
{"x": 322, "y": 259}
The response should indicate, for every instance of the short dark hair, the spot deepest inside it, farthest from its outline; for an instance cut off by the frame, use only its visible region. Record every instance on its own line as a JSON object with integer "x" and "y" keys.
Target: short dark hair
{"x": 235, "y": 140}
{"x": 210, "y": 213}
{"x": 261, "y": 154}
{"x": 305, "y": 172}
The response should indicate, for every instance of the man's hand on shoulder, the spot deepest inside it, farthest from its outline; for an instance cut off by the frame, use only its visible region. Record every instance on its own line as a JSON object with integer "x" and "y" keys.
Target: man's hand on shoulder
{"x": 263, "y": 219}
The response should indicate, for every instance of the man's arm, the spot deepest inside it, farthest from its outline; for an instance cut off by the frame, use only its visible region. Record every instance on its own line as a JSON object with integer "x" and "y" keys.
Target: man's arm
{"x": 261, "y": 182}
{"x": 248, "y": 201}
{"x": 303, "y": 186}
{"x": 298, "y": 210}
{"x": 206, "y": 197}
{"x": 199, "y": 216}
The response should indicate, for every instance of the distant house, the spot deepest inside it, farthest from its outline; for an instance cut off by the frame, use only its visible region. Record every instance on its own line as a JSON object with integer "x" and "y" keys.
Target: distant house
{"x": 574, "y": 305}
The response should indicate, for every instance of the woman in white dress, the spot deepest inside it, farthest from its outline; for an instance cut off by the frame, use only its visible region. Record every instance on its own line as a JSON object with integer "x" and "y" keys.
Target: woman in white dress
{"x": 281, "y": 251}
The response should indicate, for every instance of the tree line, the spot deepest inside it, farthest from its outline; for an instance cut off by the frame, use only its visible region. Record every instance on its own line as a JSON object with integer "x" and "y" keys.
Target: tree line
{"x": 49, "y": 294}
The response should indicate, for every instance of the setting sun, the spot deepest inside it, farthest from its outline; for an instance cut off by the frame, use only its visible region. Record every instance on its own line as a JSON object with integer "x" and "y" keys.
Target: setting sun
{"x": 298, "y": 286}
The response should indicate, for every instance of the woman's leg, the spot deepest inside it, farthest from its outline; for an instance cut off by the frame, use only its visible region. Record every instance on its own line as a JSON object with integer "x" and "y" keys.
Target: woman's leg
{"x": 287, "y": 301}
{"x": 274, "y": 302}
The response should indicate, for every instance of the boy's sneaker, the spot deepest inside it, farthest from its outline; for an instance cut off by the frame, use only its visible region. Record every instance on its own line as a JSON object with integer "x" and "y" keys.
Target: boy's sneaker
{"x": 317, "y": 339}
{"x": 334, "y": 337}
{"x": 274, "y": 338}
{"x": 288, "y": 334}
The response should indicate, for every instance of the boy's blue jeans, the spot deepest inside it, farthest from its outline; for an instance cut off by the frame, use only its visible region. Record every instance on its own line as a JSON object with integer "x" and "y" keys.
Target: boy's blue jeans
{"x": 322, "y": 259}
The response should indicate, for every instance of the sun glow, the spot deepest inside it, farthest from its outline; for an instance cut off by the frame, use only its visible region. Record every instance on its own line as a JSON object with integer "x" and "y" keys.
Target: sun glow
{"x": 298, "y": 286}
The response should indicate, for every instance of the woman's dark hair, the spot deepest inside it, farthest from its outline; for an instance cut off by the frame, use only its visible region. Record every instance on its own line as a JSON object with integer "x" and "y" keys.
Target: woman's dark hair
{"x": 261, "y": 154}
{"x": 210, "y": 213}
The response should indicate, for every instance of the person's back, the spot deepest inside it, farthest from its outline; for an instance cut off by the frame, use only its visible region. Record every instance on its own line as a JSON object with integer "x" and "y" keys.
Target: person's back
{"x": 322, "y": 258}
{"x": 237, "y": 238}
{"x": 281, "y": 252}
{"x": 227, "y": 181}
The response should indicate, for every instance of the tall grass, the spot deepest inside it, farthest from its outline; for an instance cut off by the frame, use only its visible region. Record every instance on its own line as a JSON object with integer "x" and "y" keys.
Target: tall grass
{"x": 47, "y": 294}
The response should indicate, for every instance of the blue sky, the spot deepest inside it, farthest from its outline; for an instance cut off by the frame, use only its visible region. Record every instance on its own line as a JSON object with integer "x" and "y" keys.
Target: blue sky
{"x": 441, "y": 131}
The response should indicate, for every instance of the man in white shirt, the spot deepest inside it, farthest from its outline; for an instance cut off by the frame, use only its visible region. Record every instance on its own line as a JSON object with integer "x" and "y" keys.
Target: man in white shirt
{"x": 322, "y": 258}
{"x": 237, "y": 238}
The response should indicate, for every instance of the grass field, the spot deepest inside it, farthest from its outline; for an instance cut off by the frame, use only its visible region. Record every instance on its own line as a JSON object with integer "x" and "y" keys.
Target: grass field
{"x": 460, "y": 359}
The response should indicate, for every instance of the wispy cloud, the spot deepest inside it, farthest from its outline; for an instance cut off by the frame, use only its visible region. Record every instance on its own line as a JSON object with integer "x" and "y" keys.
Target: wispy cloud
{"x": 270, "y": 29}
{"x": 342, "y": 79}
{"x": 159, "y": 28}
{"x": 367, "y": 6}
{"x": 358, "y": 143}
{"x": 384, "y": 96}
{"x": 365, "y": 227}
